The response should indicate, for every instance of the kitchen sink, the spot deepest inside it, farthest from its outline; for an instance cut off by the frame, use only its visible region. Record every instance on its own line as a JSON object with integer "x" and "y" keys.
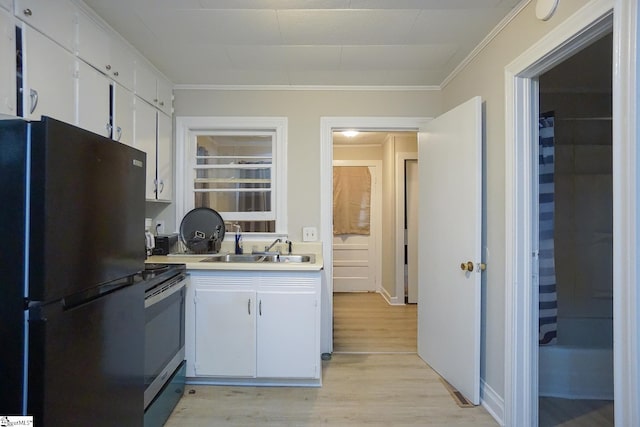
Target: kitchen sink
{"x": 256, "y": 258}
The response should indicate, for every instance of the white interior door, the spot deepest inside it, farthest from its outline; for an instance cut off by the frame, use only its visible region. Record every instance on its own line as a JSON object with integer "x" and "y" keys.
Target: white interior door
{"x": 356, "y": 258}
{"x": 411, "y": 176}
{"x": 450, "y": 180}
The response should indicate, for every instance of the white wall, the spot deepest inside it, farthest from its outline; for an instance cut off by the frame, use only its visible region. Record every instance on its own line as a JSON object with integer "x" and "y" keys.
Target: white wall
{"x": 484, "y": 76}
{"x": 304, "y": 109}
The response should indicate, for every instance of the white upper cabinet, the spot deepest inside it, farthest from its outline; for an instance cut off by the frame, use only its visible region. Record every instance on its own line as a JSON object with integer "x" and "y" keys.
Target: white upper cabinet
{"x": 55, "y": 18}
{"x": 92, "y": 108}
{"x": 104, "y": 52}
{"x": 123, "y": 113}
{"x": 49, "y": 78}
{"x": 7, "y": 64}
{"x": 146, "y": 128}
{"x": 6, "y": 4}
{"x": 165, "y": 158}
{"x": 153, "y": 88}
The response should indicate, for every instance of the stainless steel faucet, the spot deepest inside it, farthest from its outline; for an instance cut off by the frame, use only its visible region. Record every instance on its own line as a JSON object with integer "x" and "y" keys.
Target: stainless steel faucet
{"x": 275, "y": 242}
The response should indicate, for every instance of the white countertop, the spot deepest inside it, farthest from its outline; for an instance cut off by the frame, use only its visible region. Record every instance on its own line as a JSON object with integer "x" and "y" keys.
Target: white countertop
{"x": 194, "y": 262}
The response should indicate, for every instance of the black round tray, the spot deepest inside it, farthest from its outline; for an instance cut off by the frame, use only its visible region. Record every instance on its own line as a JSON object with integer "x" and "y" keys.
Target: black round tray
{"x": 202, "y": 230}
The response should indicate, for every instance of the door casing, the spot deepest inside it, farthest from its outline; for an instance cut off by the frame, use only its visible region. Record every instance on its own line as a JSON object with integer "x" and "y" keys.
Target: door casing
{"x": 521, "y": 339}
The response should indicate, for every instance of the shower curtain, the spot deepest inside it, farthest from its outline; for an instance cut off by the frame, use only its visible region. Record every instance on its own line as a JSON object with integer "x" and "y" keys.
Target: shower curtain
{"x": 548, "y": 305}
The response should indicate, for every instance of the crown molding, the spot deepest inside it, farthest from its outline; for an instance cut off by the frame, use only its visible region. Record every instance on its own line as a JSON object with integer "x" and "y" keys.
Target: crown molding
{"x": 485, "y": 42}
{"x": 306, "y": 88}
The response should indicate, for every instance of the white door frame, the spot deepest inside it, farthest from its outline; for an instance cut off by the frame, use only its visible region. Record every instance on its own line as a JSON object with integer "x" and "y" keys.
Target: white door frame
{"x": 327, "y": 126}
{"x": 376, "y": 208}
{"x": 521, "y": 338}
{"x": 401, "y": 157}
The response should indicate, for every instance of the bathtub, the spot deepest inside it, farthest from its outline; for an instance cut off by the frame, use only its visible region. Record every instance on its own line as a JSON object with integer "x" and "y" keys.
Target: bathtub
{"x": 572, "y": 372}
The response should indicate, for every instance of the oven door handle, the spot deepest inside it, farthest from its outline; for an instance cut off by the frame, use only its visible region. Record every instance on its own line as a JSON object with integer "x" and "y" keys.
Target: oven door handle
{"x": 166, "y": 293}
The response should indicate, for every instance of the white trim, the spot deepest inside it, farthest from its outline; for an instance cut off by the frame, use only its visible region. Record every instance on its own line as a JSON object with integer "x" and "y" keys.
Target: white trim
{"x": 492, "y": 402}
{"x": 521, "y": 386}
{"x": 186, "y": 126}
{"x": 401, "y": 157}
{"x": 376, "y": 204}
{"x": 327, "y": 125}
{"x": 381, "y": 88}
{"x": 626, "y": 296}
{"x": 485, "y": 42}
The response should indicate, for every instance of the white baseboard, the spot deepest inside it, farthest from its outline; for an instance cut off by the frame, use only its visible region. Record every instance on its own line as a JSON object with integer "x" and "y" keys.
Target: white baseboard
{"x": 389, "y": 299}
{"x": 492, "y": 402}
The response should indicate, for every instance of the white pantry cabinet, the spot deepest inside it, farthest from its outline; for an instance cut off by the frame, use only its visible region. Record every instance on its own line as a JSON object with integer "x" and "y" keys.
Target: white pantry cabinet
{"x": 49, "y": 78}
{"x": 253, "y": 324}
{"x": 7, "y": 64}
{"x": 92, "y": 107}
{"x": 55, "y": 18}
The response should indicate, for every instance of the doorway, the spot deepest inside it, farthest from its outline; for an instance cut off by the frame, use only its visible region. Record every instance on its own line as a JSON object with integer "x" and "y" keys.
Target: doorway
{"x": 328, "y": 125}
{"x": 587, "y": 25}
{"x": 574, "y": 238}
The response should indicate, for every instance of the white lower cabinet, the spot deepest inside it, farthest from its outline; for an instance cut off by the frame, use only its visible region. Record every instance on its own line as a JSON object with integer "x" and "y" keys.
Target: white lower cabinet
{"x": 224, "y": 320}
{"x": 261, "y": 325}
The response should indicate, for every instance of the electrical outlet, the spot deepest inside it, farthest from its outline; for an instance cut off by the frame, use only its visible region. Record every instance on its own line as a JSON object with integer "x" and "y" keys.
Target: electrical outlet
{"x": 309, "y": 234}
{"x": 159, "y": 227}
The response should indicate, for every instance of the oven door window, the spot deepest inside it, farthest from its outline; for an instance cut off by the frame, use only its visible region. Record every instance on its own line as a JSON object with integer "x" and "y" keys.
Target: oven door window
{"x": 164, "y": 336}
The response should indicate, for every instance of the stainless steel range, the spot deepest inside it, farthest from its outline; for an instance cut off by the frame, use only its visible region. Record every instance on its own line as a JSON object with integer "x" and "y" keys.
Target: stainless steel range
{"x": 164, "y": 367}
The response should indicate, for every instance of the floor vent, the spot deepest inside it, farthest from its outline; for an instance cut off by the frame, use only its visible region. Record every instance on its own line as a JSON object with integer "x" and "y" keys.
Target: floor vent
{"x": 460, "y": 400}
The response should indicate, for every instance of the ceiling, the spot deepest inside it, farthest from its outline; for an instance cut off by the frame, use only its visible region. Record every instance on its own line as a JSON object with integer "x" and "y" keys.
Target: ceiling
{"x": 304, "y": 42}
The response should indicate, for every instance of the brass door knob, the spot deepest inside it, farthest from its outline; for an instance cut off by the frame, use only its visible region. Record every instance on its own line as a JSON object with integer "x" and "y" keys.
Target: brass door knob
{"x": 466, "y": 266}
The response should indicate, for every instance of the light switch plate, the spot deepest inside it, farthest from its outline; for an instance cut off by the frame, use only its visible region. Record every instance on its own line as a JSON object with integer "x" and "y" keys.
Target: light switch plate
{"x": 309, "y": 234}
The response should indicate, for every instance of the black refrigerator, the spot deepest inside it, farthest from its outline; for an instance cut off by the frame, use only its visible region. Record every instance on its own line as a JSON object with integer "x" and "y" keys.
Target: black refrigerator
{"x": 71, "y": 303}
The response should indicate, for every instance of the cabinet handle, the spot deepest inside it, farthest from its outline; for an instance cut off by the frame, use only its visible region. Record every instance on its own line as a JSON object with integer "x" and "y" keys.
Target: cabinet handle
{"x": 162, "y": 103}
{"x": 27, "y": 12}
{"x": 119, "y": 131}
{"x": 260, "y": 307}
{"x": 109, "y": 128}
{"x": 108, "y": 67}
{"x": 33, "y": 94}
{"x": 161, "y": 185}
{"x": 155, "y": 100}
{"x": 249, "y": 306}
{"x": 115, "y": 73}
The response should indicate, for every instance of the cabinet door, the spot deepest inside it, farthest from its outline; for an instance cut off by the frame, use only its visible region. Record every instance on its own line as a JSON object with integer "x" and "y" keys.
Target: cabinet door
{"x": 122, "y": 60}
{"x": 287, "y": 335}
{"x": 93, "y": 100}
{"x": 49, "y": 80}
{"x": 146, "y": 82}
{"x": 145, "y": 140}
{"x": 123, "y": 105}
{"x": 7, "y": 64}
{"x": 165, "y": 96}
{"x": 165, "y": 158}
{"x": 6, "y": 4}
{"x": 225, "y": 327}
{"x": 55, "y": 18}
{"x": 93, "y": 44}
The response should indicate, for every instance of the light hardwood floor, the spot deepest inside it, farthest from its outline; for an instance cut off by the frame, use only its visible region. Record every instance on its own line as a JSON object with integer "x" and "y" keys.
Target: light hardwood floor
{"x": 368, "y": 382}
{"x": 364, "y": 322}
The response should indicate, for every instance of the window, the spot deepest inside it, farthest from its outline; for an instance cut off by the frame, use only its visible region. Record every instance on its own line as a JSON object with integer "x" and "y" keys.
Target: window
{"x": 236, "y": 167}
